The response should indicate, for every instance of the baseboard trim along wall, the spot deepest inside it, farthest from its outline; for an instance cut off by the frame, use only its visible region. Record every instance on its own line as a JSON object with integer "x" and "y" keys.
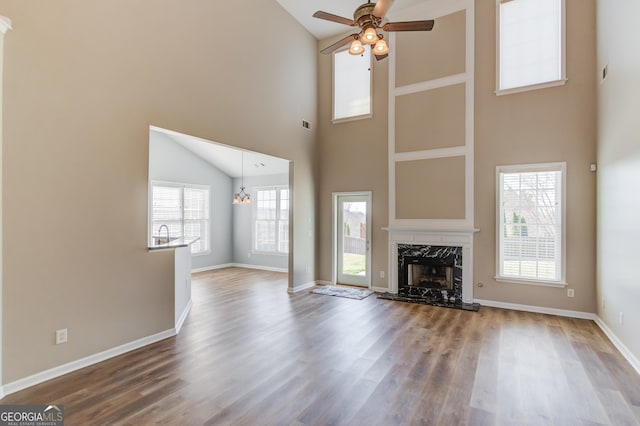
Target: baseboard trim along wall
{"x": 629, "y": 356}
{"x": 302, "y": 287}
{"x": 54, "y": 372}
{"x": 239, "y": 265}
{"x": 183, "y": 316}
{"x": 537, "y": 309}
{"x": 626, "y": 353}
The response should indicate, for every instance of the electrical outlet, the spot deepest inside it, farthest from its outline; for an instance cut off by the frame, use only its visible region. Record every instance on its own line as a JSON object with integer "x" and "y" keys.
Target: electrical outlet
{"x": 61, "y": 336}
{"x": 570, "y": 292}
{"x": 621, "y": 318}
{"x": 381, "y": 274}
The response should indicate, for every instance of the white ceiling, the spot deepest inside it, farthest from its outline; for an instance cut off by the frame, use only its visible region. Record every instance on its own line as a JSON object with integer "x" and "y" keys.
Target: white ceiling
{"x": 303, "y": 10}
{"x": 228, "y": 159}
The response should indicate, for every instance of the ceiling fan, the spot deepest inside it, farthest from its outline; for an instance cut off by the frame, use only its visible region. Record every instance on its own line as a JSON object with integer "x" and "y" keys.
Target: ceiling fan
{"x": 368, "y": 17}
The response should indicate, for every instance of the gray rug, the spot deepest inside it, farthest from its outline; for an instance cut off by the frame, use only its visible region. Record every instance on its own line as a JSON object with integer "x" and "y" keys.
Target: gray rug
{"x": 348, "y": 292}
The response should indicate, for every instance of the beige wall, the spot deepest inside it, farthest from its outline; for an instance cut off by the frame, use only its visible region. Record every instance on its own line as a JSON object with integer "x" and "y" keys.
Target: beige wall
{"x": 556, "y": 124}
{"x": 352, "y": 156}
{"x": 430, "y": 189}
{"x": 83, "y": 81}
{"x": 548, "y": 125}
{"x": 619, "y": 170}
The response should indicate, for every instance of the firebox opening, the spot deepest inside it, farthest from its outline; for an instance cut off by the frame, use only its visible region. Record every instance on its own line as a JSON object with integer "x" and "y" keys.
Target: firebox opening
{"x": 438, "y": 277}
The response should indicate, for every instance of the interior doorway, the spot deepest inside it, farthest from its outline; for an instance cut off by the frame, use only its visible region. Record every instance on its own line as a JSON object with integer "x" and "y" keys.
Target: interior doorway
{"x": 352, "y": 238}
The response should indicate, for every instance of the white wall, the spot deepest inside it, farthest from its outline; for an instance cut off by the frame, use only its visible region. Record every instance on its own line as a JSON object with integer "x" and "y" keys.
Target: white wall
{"x": 182, "y": 276}
{"x": 169, "y": 161}
{"x": 242, "y": 225}
{"x": 618, "y": 269}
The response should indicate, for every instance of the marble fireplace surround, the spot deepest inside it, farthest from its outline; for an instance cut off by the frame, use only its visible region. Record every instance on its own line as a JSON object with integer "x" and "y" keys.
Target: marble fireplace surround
{"x": 462, "y": 239}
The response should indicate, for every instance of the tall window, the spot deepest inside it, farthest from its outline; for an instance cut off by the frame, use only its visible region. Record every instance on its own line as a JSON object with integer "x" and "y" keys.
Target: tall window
{"x": 271, "y": 220}
{"x": 530, "y": 44}
{"x": 531, "y": 225}
{"x": 351, "y": 85}
{"x": 185, "y": 211}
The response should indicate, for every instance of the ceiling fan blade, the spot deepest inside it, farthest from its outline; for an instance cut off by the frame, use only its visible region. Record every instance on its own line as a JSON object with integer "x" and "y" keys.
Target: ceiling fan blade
{"x": 334, "y": 18}
{"x": 381, "y": 57}
{"x": 338, "y": 44}
{"x": 381, "y": 8}
{"x": 409, "y": 26}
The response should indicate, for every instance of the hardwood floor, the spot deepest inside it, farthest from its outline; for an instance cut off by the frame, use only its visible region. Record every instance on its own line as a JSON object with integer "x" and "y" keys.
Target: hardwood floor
{"x": 251, "y": 354}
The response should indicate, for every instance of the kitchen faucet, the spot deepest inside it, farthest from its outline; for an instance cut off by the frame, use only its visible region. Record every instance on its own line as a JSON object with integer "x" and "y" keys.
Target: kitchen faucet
{"x": 165, "y": 227}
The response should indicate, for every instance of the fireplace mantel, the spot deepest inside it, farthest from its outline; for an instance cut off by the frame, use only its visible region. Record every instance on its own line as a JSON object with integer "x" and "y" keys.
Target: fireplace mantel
{"x": 454, "y": 237}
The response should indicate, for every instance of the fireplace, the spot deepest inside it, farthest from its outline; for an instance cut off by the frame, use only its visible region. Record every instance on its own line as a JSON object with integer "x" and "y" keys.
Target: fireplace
{"x": 428, "y": 275}
{"x": 430, "y": 272}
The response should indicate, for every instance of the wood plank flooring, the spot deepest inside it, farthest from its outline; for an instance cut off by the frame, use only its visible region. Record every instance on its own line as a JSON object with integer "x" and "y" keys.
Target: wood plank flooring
{"x": 251, "y": 354}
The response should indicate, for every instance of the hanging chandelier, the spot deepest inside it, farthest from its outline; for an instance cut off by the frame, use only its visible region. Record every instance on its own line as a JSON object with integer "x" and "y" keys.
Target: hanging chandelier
{"x": 242, "y": 197}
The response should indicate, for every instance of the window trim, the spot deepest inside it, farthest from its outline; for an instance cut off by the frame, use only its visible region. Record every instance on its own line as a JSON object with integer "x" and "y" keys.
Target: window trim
{"x": 563, "y": 56}
{"x": 150, "y": 229}
{"x": 335, "y": 120}
{"x": 254, "y": 210}
{"x": 537, "y": 167}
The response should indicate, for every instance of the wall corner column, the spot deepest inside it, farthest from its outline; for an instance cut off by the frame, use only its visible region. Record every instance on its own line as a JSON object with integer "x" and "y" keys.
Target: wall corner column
{"x": 5, "y": 25}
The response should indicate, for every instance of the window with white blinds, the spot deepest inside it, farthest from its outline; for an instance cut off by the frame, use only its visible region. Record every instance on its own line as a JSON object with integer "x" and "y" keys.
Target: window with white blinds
{"x": 531, "y": 46}
{"x": 351, "y": 85}
{"x": 185, "y": 211}
{"x": 271, "y": 220}
{"x": 531, "y": 225}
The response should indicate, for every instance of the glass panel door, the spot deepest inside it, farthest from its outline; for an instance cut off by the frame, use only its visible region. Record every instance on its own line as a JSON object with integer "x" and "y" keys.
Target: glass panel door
{"x": 353, "y": 216}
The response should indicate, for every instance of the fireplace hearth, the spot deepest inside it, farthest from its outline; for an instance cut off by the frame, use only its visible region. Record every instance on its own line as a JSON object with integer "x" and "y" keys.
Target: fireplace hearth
{"x": 430, "y": 274}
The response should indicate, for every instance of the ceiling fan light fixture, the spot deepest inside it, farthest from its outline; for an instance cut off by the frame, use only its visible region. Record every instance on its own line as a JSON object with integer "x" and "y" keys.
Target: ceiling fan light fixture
{"x": 356, "y": 47}
{"x": 381, "y": 48}
{"x": 370, "y": 36}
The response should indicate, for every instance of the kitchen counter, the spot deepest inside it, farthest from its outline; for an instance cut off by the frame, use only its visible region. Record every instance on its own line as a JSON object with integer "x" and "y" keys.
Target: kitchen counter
{"x": 178, "y": 242}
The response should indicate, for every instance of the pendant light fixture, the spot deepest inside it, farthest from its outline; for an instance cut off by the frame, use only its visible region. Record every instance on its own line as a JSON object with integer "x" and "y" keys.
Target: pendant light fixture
{"x": 242, "y": 197}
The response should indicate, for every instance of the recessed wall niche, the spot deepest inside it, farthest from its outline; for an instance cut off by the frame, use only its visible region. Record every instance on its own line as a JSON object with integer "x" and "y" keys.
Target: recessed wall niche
{"x": 430, "y": 189}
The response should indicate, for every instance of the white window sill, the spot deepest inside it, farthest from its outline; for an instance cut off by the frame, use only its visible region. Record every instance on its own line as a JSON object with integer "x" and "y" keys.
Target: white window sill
{"x": 509, "y": 280}
{"x": 548, "y": 84}
{"x": 269, "y": 253}
{"x": 354, "y": 118}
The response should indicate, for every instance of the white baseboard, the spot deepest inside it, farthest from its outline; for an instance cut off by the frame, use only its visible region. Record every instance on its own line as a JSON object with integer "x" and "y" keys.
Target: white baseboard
{"x": 304, "y": 286}
{"x": 239, "y": 265}
{"x": 323, "y": 282}
{"x": 263, "y": 268}
{"x": 537, "y": 309}
{"x": 211, "y": 268}
{"x": 58, "y": 371}
{"x": 629, "y": 356}
{"x": 183, "y": 316}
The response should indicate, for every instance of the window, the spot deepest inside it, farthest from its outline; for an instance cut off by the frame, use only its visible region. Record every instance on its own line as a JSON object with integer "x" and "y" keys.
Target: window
{"x": 530, "y": 223}
{"x": 185, "y": 211}
{"x": 271, "y": 220}
{"x": 351, "y": 85}
{"x": 531, "y": 51}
